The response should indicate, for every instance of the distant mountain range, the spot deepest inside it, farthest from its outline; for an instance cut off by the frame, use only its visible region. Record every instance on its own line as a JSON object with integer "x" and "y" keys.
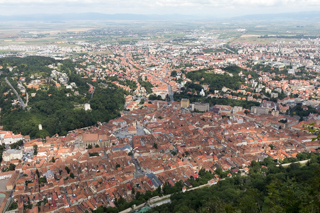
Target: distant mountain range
{"x": 299, "y": 16}
{"x": 93, "y": 16}
{"x": 308, "y": 16}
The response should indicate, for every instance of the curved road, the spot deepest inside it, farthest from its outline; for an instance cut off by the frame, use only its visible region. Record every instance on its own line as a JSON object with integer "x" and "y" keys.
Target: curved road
{"x": 15, "y": 92}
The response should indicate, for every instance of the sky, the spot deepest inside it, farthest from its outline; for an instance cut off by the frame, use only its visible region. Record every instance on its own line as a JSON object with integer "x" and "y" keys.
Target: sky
{"x": 214, "y": 8}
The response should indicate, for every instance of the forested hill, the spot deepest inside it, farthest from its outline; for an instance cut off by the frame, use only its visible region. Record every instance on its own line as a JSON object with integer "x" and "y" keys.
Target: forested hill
{"x": 52, "y": 106}
{"x": 25, "y": 67}
{"x": 267, "y": 188}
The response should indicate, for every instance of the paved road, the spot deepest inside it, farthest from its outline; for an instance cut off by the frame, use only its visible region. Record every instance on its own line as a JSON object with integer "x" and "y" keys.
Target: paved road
{"x": 15, "y": 92}
{"x": 8, "y": 203}
{"x": 94, "y": 89}
{"x": 124, "y": 134}
{"x": 166, "y": 72}
{"x": 169, "y": 87}
{"x": 66, "y": 194}
{"x": 27, "y": 99}
{"x": 229, "y": 50}
{"x": 170, "y": 93}
{"x": 138, "y": 173}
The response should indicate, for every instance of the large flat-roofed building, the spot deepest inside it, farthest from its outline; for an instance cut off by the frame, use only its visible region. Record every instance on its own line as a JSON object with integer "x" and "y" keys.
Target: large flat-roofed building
{"x": 94, "y": 139}
{"x": 12, "y": 154}
{"x": 222, "y": 109}
{"x": 202, "y": 107}
{"x": 184, "y": 103}
{"x": 259, "y": 110}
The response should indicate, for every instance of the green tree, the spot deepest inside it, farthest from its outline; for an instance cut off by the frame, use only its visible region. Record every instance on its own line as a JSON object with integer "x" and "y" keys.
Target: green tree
{"x": 173, "y": 73}
{"x": 35, "y": 149}
{"x": 16, "y": 145}
{"x": 215, "y": 206}
{"x": 13, "y": 206}
{"x": 155, "y": 145}
{"x": 67, "y": 169}
{"x": 271, "y": 146}
{"x": 251, "y": 201}
{"x": 12, "y": 167}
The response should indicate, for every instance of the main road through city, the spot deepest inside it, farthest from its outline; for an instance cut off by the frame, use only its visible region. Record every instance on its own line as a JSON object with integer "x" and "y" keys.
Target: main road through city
{"x": 169, "y": 87}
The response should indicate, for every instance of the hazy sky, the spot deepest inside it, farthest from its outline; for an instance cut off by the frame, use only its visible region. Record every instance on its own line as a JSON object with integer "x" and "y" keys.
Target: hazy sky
{"x": 226, "y": 8}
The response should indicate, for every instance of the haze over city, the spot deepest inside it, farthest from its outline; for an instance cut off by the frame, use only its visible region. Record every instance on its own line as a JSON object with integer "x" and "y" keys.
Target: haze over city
{"x": 209, "y": 8}
{"x": 166, "y": 106}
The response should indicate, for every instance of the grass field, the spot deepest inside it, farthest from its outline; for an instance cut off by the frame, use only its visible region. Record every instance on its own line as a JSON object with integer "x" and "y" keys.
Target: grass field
{"x": 8, "y": 51}
{"x": 227, "y": 35}
{"x": 69, "y": 31}
{"x": 254, "y": 38}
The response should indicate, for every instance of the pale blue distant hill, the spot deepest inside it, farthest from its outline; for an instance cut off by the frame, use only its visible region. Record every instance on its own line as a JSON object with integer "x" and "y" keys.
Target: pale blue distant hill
{"x": 93, "y": 16}
{"x": 298, "y": 16}
{"x": 302, "y": 16}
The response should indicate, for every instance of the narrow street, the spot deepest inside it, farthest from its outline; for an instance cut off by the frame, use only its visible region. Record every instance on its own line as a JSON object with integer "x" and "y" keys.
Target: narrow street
{"x": 66, "y": 194}
{"x": 124, "y": 134}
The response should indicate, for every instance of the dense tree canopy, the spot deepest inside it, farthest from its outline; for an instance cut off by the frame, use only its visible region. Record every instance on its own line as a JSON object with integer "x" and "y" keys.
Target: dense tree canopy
{"x": 298, "y": 110}
{"x": 265, "y": 189}
{"x": 146, "y": 84}
{"x": 215, "y": 81}
{"x": 51, "y": 107}
{"x": 235, "y": 70}
{"x": 174, "y": 73}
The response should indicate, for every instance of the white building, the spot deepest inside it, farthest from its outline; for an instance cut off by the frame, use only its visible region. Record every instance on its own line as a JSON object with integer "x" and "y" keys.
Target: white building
{"x": 12, "y": 154}
{"x": 7, "y": 137}
{"x": 87, "y": 107}
{"x": 291, "y": 71}
{"x": 202, "y": 93}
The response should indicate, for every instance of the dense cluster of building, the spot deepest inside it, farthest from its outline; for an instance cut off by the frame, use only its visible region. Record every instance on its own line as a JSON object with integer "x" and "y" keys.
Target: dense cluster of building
{"x": 92, "y": 167}
{"x": 158, "y": 142}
